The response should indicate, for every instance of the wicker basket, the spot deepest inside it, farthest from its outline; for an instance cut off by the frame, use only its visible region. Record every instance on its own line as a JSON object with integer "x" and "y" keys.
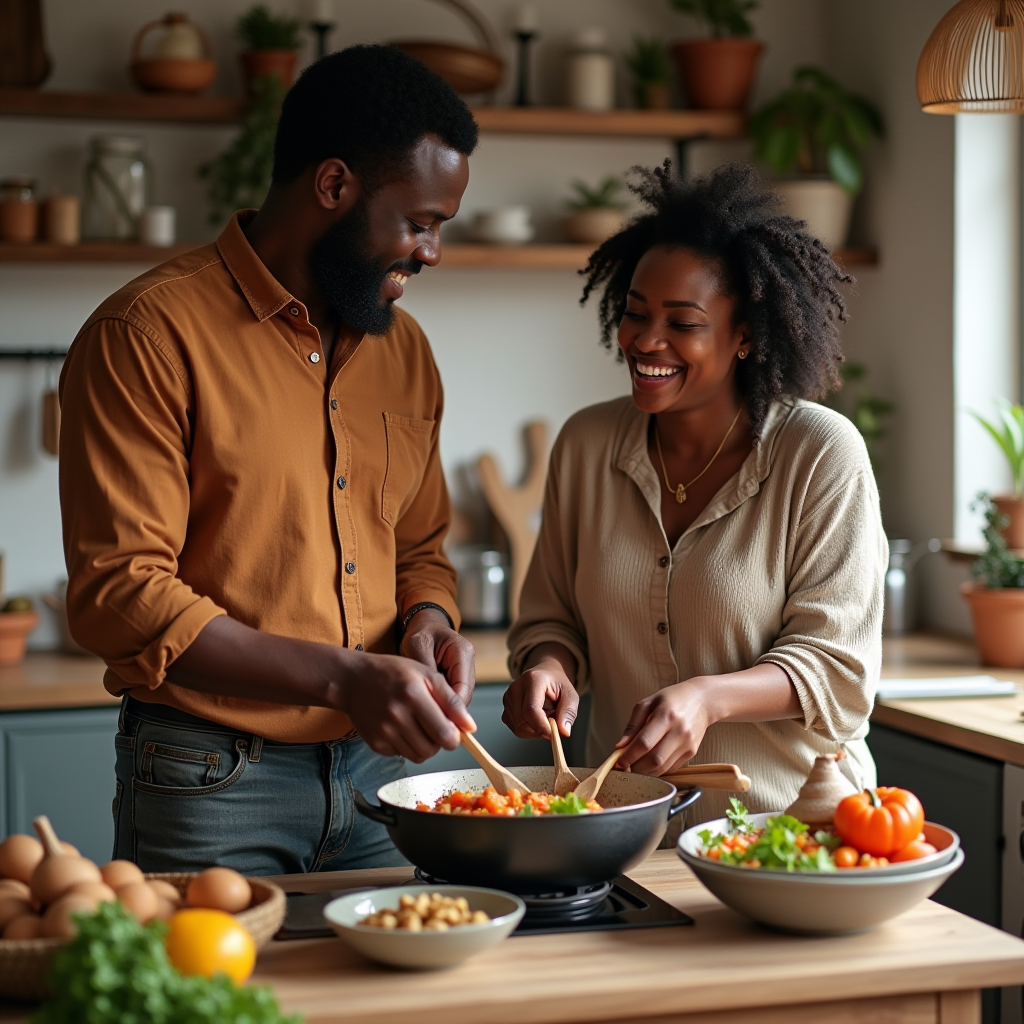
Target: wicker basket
{"x": 25, "y": 965}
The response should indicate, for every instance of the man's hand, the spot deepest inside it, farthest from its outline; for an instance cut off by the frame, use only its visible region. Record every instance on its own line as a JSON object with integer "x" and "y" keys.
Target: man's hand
{"x": 432, "y": 642}
{"x": 540, "y": 693}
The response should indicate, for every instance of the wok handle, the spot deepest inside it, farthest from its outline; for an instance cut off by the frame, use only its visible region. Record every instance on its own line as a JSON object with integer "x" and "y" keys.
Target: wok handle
{"x": 684, "y": 798}
{"x": 373, "y": 811}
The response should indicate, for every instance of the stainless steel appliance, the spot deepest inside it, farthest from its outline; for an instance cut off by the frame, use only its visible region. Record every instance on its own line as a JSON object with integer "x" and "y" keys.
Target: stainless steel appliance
{"x": 898, "y": 616}
{"x": 483, "y": 585}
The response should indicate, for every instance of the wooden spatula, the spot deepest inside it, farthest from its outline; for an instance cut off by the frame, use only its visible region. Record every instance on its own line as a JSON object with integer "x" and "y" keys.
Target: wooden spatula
{"x": 500, "y": 778}
{"x": 710, "y": 776}
{"x": 565, "y": 781}
{"x": 590, "y": 787}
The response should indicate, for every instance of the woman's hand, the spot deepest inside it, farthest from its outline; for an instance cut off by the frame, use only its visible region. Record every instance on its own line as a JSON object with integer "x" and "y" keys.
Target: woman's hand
{"x": 543, "y": 691}
{"x": 666, "y": 729}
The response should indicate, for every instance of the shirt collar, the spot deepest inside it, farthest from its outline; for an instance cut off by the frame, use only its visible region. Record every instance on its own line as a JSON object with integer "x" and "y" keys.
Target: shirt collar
{"x": 263, "y": 291}
{"x": 632, "y": 458}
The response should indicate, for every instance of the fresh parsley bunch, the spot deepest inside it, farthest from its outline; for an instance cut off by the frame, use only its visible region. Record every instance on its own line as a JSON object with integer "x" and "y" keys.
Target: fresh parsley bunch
{"x": 116, "y": 971}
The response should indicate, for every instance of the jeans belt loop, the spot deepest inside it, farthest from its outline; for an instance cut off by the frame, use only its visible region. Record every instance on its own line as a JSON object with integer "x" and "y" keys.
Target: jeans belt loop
{"x": 255, "y": 749}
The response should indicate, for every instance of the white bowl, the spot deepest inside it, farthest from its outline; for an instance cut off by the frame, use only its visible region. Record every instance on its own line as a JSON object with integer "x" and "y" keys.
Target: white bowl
{"x": 426, "y": 949}
{"x": 816, "y": 903}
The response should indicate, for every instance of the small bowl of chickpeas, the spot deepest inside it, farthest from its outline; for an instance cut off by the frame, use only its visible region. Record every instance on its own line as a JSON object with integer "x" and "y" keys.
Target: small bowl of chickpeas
{"x": 424, "y": 927}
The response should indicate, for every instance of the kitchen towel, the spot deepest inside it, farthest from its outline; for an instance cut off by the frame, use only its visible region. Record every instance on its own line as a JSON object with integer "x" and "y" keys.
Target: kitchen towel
{"x": 946, "y": 686}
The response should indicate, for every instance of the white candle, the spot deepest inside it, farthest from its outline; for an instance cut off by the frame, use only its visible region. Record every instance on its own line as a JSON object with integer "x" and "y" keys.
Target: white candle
{"x": 526, "y": 18}
{"x": 321, "y": 11}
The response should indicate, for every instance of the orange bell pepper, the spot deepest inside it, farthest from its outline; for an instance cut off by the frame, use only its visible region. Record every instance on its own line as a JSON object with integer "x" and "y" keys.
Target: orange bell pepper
{"x": 879, "y": 821}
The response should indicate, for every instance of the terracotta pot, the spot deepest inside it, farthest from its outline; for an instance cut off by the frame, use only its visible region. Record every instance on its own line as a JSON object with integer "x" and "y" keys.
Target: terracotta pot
{"x": 1012, "y": 506}
{"x": 279, "y": 64}
{"x": 823, "y": 203}
{"x": 14, "y": 630}
{"x": 998, "y": 617}
{"x": 653, "y": 95}
{"x": 593, "y": 225}
{"x": 164, "y": 74}
{"x": 717, "y": 74}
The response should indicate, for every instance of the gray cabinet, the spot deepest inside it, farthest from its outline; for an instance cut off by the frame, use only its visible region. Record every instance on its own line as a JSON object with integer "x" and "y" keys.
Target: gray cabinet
{"x": 61, "y": 764}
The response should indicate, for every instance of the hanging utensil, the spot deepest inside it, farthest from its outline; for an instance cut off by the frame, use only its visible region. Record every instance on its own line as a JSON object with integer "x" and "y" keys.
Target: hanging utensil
{"x": 565, "y": 781}
{"x": 499, "y": 777}
{"x": 51, "y": 414}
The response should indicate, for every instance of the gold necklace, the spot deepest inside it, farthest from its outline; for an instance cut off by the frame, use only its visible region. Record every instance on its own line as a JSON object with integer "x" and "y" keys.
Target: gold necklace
{"x": 680, "y": 490}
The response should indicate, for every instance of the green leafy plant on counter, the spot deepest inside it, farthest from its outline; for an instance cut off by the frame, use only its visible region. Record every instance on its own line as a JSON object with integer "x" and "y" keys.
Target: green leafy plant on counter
{"x": 603, "y": 197}
{"x": 722, "y": 17}
{"x": 116, "y": 971}
{"x": 240, "y": 176}
{"x": 864, "y": 409}
{"x": 261, "y": 30}
{"x": 997, "y": 568}
{"x": 649, "y": 64}
{"x": 817, "y": 127}
{"x": 1008, "y": 432}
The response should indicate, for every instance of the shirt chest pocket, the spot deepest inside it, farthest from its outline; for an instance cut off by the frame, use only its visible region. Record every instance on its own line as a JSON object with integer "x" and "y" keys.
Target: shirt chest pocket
{"x": 408, "y": 443}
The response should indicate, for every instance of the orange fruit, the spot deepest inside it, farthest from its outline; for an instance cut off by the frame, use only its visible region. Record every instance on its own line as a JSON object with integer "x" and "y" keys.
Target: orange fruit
{"x": 209, "y": 942}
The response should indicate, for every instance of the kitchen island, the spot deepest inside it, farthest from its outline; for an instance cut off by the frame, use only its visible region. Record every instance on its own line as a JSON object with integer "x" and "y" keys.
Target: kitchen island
{"x": 927, "y": 965}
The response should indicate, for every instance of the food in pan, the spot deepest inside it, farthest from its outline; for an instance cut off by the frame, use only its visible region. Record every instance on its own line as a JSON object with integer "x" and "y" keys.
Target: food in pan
{"x": 514, "y": 805}
{"x": 432, "y": 913}
{"x": 787, "y": 844}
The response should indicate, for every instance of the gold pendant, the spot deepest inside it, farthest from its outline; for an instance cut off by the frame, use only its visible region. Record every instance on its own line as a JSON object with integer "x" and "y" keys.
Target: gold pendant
{"x": 680, "y": 494}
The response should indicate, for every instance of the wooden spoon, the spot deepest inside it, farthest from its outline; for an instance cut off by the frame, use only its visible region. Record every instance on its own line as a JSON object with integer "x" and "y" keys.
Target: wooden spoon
{"x": 591, "y": 786}
{"x": 710, "y": 776}
{"x": 500, "y": 778}
{"x": 565, "y": 781}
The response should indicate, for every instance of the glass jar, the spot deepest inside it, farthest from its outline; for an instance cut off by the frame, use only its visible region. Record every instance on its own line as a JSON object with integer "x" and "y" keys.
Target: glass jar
{"x": 19, "y": 211}
{"x": 116, "y": 188}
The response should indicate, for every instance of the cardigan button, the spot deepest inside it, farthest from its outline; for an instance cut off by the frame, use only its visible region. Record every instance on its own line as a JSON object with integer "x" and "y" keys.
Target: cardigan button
{"x": 350, "y": 567}
{"x": 663, "y": 627}
{"x": 663, "y": 561}
{"x": 334, "y": 403}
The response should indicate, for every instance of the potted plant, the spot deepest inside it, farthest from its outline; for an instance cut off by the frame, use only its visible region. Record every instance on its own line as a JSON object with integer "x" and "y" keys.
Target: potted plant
{"x": 17, "y": 619}
{"x": 1008, "y": 432}
{"x": 271, "y": 45}
{"x": 817, "y": 129}
{"x": 996, "y": 595}
{"x": 597, "y": 213}
{"x": 718, "y": 73}
{"x": 649, "y": 64}
{"x": 239, "y": 177}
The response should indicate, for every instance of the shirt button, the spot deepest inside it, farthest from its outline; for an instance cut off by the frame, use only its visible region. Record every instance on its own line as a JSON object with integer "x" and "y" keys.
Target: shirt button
{"x": 294, "y": 311}
{"x": 341, "y": 483}
{"x": 662, "y": 627}
{"x": 350, "y": 567}
{"x": 334, "y": 403}
{"x": 314, "y": 357}
{"x": 663, "y": 561}
{"x": 359, "y": 647}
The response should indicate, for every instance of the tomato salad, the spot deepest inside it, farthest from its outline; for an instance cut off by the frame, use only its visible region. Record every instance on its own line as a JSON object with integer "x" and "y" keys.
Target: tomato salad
{"x": 514, "y": 805}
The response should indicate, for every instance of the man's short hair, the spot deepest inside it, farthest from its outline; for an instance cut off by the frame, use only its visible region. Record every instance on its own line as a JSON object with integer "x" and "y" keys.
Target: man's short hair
{"x": 368, "y": 106}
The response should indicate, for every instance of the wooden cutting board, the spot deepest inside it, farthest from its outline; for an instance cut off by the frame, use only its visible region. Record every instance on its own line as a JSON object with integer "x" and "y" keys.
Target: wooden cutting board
{"x": 23, "y": 58}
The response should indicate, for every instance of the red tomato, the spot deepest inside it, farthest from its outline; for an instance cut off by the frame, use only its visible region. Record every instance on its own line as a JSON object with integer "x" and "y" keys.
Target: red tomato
{"x": 492, "y": 802}
{"x": 846, "y": 857}
{"x": 879, "y": 821}
{"x": 464, "y": 800}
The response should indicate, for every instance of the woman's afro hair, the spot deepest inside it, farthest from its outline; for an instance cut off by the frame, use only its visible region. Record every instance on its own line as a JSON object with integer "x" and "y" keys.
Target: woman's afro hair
{"x": 784, "y": 280}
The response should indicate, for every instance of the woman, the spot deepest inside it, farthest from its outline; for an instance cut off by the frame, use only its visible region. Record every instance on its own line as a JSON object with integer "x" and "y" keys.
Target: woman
{"x": 710, "y": 563}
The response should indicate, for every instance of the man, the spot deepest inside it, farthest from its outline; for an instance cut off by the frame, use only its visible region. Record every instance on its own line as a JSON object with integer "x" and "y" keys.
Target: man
{"x": 253, "y": 499}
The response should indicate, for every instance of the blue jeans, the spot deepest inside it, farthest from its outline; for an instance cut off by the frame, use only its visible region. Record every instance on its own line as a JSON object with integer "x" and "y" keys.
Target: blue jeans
{"x": 191, "y": 793}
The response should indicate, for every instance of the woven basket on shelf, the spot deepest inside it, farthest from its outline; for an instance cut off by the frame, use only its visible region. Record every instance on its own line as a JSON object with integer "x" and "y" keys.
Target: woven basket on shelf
{"x": 25, "y": 964}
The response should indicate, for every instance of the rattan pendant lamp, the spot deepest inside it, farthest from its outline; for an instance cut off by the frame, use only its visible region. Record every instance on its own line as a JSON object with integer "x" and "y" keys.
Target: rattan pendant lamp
{"x": 973, "y": 61}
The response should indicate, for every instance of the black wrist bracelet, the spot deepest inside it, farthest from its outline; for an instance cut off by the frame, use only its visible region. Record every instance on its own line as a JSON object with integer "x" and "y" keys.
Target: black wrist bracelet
{"x": 407, "y": 618}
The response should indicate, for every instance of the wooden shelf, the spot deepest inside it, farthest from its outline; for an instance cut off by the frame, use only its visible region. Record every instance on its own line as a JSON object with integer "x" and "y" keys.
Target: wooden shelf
{"x": 511, "y": 257}
{"x": 128, "y": 106}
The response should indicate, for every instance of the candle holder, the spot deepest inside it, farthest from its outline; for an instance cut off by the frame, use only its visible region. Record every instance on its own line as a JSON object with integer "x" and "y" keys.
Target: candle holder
{"x": 525, "y": 37}
{"x": 321, "y": 29}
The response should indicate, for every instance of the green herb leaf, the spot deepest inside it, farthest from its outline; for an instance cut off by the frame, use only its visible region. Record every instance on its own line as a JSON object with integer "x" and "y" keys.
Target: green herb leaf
{"x": 526, "y": 811}
{"x": 739, "y": 820}
{"x": 568, "y": 804}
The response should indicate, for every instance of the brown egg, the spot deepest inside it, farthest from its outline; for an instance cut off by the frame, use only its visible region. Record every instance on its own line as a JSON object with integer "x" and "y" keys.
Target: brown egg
{"x": 139, "y": 900}
{"x": 12, "y": 887}
{"x": 24, "y": 926}
{"x": 19, "y": 856}
{"x": 165, "y": 909}
{"x": 120, "y": 872}
{"x": 219, "y": 889}
{"x": 55, "y": 875}
{"x": 57, "y": 923}
{"x": 99, "y": 891}
{"x": 11, "y": 907}
{"x": 168, "y": 892}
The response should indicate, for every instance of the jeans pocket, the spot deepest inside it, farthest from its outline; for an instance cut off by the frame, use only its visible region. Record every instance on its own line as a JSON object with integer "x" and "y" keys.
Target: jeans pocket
{"x": 186, "y": 762}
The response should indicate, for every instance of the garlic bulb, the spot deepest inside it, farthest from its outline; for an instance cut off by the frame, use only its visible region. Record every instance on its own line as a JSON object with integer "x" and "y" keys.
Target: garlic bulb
{"x": 821, "y": 794}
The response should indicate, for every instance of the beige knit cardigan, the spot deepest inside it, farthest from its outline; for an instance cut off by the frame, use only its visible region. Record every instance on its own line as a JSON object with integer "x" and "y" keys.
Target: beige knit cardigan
{"x": 785, "y": 565}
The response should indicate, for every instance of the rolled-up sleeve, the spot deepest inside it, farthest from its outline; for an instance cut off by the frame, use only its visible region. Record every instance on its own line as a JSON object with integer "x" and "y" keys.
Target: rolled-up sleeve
{"x": 830, "y": 642}
{"x": 124, "y": 494}
{"x": 549, "y": 612}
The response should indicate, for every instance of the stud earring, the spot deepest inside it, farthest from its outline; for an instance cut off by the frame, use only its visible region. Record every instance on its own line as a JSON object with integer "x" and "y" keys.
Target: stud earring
{"x": 741, "y": 354}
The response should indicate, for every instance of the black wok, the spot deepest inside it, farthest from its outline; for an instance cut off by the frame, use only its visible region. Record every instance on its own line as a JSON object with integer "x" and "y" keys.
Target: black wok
{"x": 530, "y": 854}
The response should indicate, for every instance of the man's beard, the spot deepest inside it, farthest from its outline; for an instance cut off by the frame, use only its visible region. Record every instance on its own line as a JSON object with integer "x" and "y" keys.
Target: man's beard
{"x": 351, "y": 278}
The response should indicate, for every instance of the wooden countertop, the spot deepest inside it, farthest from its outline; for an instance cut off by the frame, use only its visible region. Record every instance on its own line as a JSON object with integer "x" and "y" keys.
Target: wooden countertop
{"x": 722, "y": 964}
